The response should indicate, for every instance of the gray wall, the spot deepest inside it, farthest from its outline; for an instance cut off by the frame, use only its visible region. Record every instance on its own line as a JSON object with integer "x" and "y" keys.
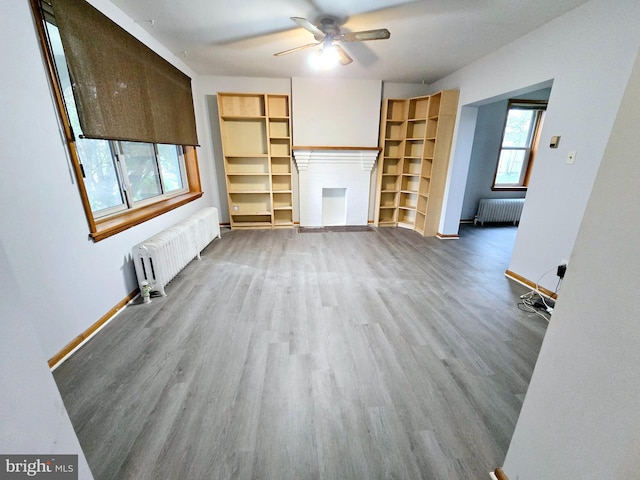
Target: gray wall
{"x": 580, "y": 419}
{"x": 484, "y": 154}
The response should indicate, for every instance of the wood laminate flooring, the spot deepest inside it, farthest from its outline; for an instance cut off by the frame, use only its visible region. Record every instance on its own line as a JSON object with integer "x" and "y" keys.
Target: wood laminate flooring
{"x": 340, "y": 355}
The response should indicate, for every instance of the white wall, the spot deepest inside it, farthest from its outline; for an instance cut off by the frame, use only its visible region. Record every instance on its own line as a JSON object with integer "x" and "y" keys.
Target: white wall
{"x": 336, "y": 112}
{"x": 580, "y": 419}
{"x": 588, "y": 53}
{"x": 404, "y": 90}
{"x": 34, "y": 420}
{"x": 42, "y": 224}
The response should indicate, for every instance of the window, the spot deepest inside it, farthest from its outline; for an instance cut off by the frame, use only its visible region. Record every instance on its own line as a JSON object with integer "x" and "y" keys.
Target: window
{"x": 118, "y": 175}
{"x": 519, "y": 143}
{"x": 121, "y": 183}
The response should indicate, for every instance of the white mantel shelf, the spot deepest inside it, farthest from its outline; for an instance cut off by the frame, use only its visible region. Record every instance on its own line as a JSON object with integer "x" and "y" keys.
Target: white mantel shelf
{"x": 363, "y": 156}
{"x": 334, "y": 167}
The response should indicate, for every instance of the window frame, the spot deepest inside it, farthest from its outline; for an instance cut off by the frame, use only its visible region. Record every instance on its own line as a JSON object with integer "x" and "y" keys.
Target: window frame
{"x": 540, "y": 107}
{"x": 102, "y": 227}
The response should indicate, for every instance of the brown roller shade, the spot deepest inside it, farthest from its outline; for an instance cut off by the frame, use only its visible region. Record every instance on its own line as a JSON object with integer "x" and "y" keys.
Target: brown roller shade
{"x": 123, "y": 89}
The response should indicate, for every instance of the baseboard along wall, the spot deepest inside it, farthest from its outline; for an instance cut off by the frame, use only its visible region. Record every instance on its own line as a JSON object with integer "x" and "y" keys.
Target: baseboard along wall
{"x": 498, "y": 474}
{"x": 77, "y": 342}
{"x": 528, "y": 283}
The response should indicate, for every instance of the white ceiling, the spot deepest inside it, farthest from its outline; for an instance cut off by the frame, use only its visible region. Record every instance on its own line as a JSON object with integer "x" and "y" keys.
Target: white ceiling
{"x": 429, "y": 39}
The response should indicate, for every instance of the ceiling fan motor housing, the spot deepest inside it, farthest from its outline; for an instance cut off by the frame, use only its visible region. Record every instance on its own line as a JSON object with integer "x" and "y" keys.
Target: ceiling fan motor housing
{"x": 329, "y": 27}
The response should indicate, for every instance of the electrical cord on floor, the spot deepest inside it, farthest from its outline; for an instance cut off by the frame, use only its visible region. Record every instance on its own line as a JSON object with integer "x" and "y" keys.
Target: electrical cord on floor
{"x": 535, "y": 302}
{"x": 529, "y": 305}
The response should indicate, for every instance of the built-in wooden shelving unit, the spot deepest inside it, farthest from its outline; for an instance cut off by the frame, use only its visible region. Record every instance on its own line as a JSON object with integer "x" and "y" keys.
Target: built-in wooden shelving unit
{"x": 415, "y": 139}
{"x": 256, "y": 144}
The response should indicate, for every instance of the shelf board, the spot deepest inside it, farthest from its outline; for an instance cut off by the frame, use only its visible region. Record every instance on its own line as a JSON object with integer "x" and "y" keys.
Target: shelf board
{"x": 387, "y": 207}
{"x": 389, "y": 191}
{"x": 251, "y": 224}
{"x": 246, "y": 155}
{"x": 408, "y": 191}
{"x": 283, "y": 208}
{"x": 245, "y": 214}
{"x": 247, "y": 174}
{"x": 404, "y": 207}
{"x": 260, "y": 192}
{"x": 282, "y": 191}
{"x": 243, "y": 117}
{"x": 278, "y": 117}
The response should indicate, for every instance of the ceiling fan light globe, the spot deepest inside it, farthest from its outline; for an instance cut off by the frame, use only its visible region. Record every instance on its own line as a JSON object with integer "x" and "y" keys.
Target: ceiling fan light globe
{"x": 325, "y": 59}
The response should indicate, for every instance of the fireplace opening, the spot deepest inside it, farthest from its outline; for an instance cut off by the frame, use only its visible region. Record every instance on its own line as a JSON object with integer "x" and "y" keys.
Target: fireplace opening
{"x": 334, "y": 207}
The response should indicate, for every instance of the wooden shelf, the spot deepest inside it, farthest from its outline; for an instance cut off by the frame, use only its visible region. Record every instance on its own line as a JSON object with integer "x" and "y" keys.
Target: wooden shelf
{"x": 242, "y": 117}
{"x": 255, "y": 129}
{"x": 415, "y": 141}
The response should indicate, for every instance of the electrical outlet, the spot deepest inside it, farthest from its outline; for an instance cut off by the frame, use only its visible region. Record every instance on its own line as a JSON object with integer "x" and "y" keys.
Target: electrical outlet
{"x": 571, "y": 157}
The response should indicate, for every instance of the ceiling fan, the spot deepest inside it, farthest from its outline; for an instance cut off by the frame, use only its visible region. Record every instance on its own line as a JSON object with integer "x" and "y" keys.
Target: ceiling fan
{"x": 328, "y": 33}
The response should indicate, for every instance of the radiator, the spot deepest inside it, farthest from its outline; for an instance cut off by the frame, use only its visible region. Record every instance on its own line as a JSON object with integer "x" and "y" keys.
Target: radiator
{"x": 499, "y": 210}
{"x": 160, "y": 258}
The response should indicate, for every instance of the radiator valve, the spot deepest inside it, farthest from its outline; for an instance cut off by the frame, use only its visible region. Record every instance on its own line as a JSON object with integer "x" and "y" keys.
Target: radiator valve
{"x": 145, "y": 291}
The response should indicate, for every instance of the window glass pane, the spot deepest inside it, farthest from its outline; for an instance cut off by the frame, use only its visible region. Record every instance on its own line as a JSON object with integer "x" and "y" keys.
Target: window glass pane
{"x": 517, "y": 131}
{"x": 510, "y": 167}
{"x": 170, "y": 167}
{"x": 142, "y": 171}
{"x": 101, "y": 179}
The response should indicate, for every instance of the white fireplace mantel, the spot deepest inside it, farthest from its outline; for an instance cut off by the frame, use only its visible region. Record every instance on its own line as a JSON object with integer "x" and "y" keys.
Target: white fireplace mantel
{"x": 346, "y": 169}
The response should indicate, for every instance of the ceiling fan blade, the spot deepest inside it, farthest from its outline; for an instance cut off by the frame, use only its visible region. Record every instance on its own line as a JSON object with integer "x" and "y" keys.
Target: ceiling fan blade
{"x": 307, "y": 25}
{"x": 291, "y": 50}
{"x": 379, "y": 34}
{"x": 345, "y": 59}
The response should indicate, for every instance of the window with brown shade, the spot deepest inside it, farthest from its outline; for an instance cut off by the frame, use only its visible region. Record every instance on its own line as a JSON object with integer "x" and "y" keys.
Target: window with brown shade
{"x": 128, "y": 115}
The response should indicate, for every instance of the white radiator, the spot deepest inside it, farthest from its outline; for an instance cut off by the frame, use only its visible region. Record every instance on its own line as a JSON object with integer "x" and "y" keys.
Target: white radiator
{"x": 160, "y": 258}
{"x": 499, "y": 210}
